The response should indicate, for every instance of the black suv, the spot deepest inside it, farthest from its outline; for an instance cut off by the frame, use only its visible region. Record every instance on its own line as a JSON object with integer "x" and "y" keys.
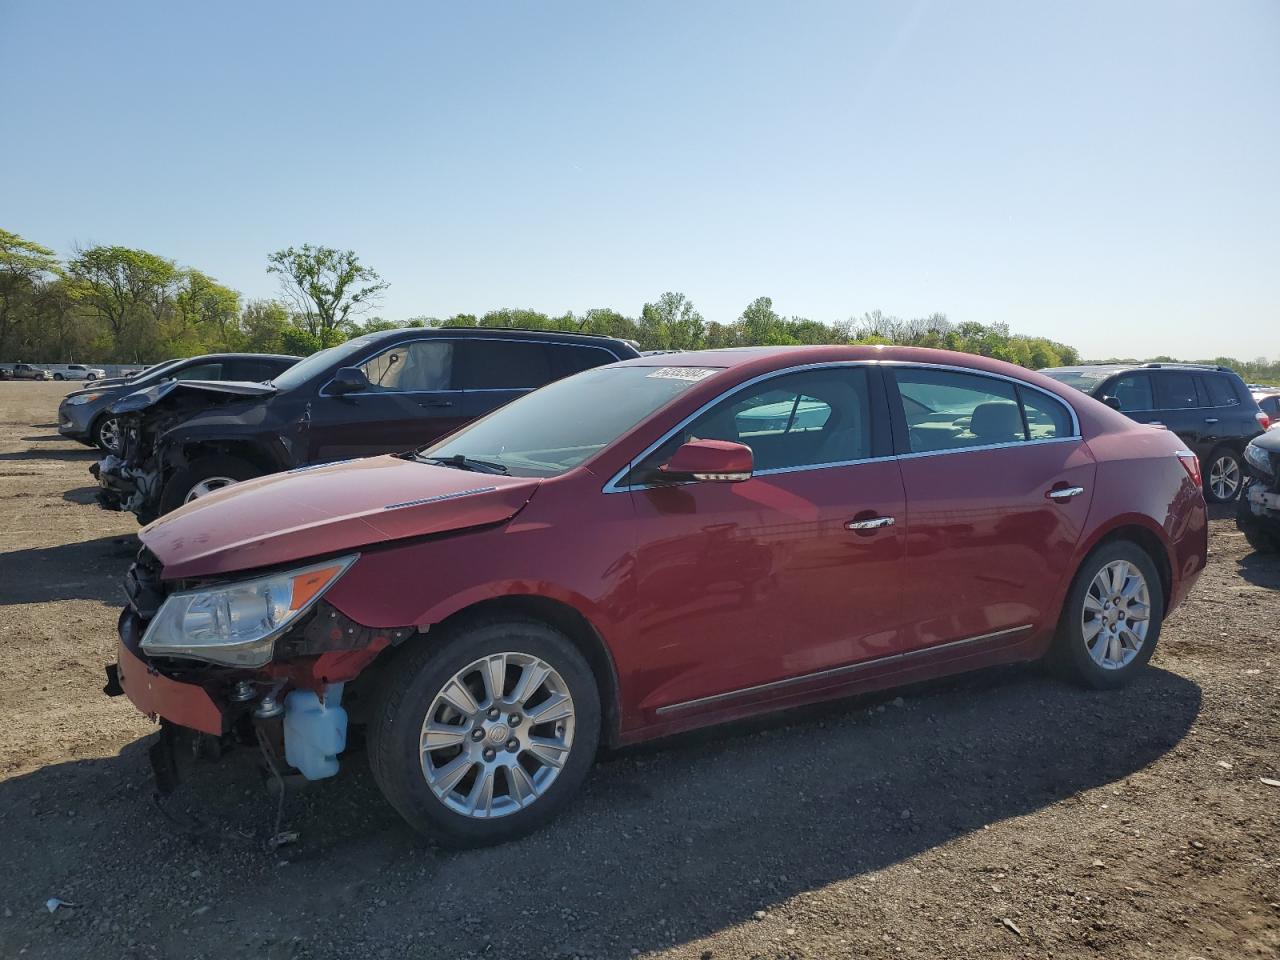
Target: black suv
{"x": 1208, "y": 407}
{"x": 380, "y": 393}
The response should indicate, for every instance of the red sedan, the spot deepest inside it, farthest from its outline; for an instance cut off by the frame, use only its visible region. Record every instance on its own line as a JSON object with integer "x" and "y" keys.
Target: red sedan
{"x": 652, "y": 546}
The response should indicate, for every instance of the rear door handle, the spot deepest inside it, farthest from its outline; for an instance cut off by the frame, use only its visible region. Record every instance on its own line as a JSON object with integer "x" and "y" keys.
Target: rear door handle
{"x": 1063, "y": 494}
{"x": 871, "y": 523}
{"x": 435, "y": 403}
{"x": 1210, "y": 419}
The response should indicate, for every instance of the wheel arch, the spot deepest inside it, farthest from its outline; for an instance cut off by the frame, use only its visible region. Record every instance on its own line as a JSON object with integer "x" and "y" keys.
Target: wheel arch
{"x": 1145, "y": 535}
{"x": 242, "y": 448}
{"x": 570, "y": 621}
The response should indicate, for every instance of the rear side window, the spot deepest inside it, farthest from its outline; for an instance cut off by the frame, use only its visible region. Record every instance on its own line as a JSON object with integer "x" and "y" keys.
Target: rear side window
{"x": 947, "y": 410}
{"x": 504, "y": 364}
{"x": 1133, "y": 392}
{"x": 1219, "y": 390}
{"x": 568, "y": 359}
{"x": 1047, "y": 418}
{"x": 1176, "y": 391}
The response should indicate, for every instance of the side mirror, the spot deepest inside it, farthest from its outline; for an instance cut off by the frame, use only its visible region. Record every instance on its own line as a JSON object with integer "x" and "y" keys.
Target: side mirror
{"x": 349, "y": 380}
{"x": 716, "y": 461}
{"x": 1112, "y": 402}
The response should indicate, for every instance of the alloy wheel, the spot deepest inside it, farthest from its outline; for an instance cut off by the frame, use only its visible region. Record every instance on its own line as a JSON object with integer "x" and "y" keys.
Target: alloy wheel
{"x": 1224, "y": 477}
{"x": 109, "y": 434}
{"x": 497, "y": 735}
{"x": 207, "y": 486}
{"x": 1116, "y": 615}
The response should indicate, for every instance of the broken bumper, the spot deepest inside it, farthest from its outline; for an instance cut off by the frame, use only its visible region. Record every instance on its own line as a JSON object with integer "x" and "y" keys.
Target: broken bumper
{"x": 186, "y": 704}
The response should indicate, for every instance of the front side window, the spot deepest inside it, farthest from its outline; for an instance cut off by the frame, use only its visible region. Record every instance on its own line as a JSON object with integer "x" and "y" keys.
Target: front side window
{"x": 794, "y": 420}
{"x": 1176, "y": 391}
{"x": 1133, "y": 393}
{"x": 948, "y": 410}
{"x": 200, "y": 371}
{"x": 422, "y": 365}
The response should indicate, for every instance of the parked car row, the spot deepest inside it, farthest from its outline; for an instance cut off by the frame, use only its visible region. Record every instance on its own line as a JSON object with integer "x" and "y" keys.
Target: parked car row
{"x": 70, "y": 371}
{"x": 640, "y": 546}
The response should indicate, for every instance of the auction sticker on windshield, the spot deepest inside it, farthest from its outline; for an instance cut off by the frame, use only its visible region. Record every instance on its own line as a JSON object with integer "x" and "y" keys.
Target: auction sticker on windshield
{"x": 693, "y": 374}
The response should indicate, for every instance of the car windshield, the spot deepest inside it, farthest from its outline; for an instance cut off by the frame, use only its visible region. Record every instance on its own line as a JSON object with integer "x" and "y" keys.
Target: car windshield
{"x": 304, "y": 370}
{"x": 556, "y": 428}
{"x": 1083, "y": 380}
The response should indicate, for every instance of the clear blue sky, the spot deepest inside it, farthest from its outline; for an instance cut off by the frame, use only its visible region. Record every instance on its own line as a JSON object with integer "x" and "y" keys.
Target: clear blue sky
{"x": 1107, "y": 174}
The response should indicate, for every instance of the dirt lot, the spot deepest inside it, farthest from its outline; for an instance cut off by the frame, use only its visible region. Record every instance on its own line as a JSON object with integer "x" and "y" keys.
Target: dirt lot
{"x": 1001, "y": 815}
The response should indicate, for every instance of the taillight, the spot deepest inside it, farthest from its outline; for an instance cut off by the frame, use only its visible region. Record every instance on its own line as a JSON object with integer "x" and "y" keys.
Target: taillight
{"x": 1191, "y": 463}
{"x": 1263, "y": 419}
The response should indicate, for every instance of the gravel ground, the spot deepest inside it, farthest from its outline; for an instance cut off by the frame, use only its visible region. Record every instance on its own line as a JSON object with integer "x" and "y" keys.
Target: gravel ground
{"x": 999, "y": 815}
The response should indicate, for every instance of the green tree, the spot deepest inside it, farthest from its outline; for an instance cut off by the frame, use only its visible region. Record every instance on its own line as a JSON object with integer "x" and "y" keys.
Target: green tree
{"x": 133, "y": 291}
{"x": 24, "y": 266}
{"x": 326, "y": 287}
{"x": 671, "y": 323}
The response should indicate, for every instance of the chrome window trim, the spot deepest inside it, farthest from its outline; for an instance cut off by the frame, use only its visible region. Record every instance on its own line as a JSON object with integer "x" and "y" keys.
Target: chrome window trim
{"x": 835, "y": 672}
{"x": 615, "y": 482}
{"x": 405, "y": 343}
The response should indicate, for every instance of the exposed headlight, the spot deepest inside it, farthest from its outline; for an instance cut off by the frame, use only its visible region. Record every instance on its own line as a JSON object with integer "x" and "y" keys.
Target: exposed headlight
{"x": 1259, "y": 459}
{"x": 237, "y": 624}
{"x": 82, "y": 398}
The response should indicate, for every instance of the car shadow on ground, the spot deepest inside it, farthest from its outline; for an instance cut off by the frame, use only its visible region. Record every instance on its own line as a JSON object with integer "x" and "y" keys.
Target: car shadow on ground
{"x": 669, "y": 843}
{"x": 89, "y": 570}
{"x": 83, "y": 454}
{"x": 82, "y": 495}
{"x": 1261, "y": 569}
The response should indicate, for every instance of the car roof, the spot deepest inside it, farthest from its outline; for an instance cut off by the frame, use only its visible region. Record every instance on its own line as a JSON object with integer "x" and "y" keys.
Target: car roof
{"x": 490, "y": 333}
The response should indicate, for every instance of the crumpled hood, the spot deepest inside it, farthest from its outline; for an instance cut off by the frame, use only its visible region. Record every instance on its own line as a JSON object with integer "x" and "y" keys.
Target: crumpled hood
{"x": 150, "y": 396}
{"x": 313, "y": 511}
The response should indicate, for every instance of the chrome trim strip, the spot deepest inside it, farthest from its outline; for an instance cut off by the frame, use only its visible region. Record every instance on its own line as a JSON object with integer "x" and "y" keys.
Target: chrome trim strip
{"x": 835, "y": 671}
{"x": 615, "y": 486}
{"x": 438, "y": 498}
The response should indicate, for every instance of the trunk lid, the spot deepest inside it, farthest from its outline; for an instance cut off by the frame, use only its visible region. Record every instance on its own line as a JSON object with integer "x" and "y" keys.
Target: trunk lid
{"x": 319, "y": 510}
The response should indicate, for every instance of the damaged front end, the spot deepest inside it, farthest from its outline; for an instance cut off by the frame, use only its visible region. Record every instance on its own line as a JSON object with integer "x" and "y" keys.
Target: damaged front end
{"x": 261, "y": 662}
{"x": 133, "y": 480}
{"x": 1258, "y": 515}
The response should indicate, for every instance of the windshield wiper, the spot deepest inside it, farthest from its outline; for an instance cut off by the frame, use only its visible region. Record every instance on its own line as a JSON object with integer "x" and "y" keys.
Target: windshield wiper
{"x": 460, "y": 462}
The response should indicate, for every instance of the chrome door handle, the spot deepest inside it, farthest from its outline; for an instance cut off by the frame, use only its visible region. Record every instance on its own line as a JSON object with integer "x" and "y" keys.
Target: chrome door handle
{"x": 874, "y": 523}
{"x": 1210, "y": 419}
{"x": 1064, "y": 493}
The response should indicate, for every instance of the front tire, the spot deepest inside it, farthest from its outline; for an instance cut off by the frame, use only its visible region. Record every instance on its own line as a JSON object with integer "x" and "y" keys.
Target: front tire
{"x": 1112, "y": 617}
{"x": 58, "y": 376}
{"x": 106, "y": 434}
{"x": 486, "y": 734}
{"x": 203, "y": 477}
{"x": 1223, "y": 476}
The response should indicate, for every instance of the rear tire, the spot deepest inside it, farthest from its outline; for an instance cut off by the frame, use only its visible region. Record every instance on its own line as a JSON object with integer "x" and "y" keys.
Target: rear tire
{"x": 1223, "y": 475}
{"x": 213, "y": 470}
{"x": 1087, "y": 650}
{"x": 490, "y": 801}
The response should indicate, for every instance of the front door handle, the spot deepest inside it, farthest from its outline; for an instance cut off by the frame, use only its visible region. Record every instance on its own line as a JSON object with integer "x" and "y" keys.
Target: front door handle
{"x": 1210, "y": 419}
{"x": 1063, "y": 494}
{"x": 871, "y": 523}
{"x": 435, "y": 403}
